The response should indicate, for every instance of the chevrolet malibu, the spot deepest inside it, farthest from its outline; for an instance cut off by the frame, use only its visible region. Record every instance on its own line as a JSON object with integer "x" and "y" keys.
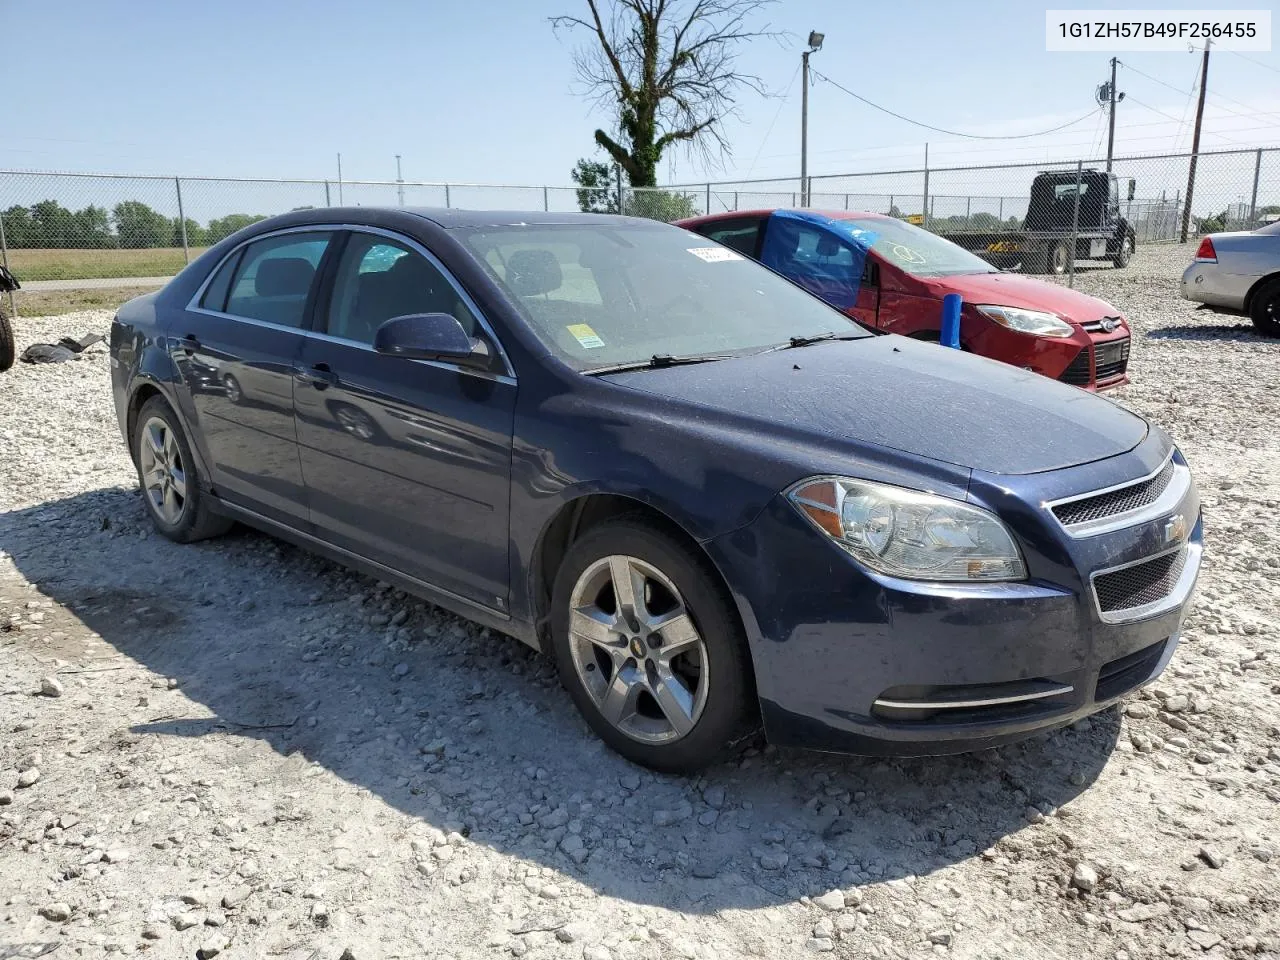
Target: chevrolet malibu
{"x": 717, "y": 503}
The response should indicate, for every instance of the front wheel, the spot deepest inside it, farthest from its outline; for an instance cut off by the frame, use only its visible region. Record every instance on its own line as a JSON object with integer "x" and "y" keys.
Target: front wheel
{"x": 1125, "y": 253}
{"x": 1264, "y": 310}
{"x": 649, "y": 647}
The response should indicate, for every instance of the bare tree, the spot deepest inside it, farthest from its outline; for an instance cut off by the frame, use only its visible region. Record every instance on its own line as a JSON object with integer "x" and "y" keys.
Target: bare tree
{"x": 668, "y": 68}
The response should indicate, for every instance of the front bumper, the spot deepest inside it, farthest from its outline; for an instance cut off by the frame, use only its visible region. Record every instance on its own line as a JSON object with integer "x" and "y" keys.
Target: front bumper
{"x": 851, "y": 662}
{"x": 1088, "y": 358}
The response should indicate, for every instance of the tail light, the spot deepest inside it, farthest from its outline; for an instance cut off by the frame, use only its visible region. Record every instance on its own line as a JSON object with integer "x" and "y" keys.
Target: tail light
{"x": 1205, "y": 252}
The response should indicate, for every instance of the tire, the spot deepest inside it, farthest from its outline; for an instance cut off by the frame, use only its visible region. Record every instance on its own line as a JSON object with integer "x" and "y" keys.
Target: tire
{"x": 235, "y": 392}
{"x": 167, "y": 476}
{"x": 6, "y": 343}
{"x": 1125, "y": 253}
{"x": 1058, "y": 258}
{"x": 1264, "y": 309}
{"x": 621, "y": 679}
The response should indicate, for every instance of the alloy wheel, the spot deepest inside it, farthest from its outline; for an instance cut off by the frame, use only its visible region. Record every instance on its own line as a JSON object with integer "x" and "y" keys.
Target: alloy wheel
{"x": 636, "y": 650}
{"x": 164, "y": 476}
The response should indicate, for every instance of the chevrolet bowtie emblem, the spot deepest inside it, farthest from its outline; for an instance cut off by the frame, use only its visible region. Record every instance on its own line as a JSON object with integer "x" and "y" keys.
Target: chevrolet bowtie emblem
{"x": 1175, "y": 529}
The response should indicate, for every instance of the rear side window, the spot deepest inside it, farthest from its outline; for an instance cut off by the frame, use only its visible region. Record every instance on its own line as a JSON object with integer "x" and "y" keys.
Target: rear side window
{"x": 274, "y": 278}
{"x": 740, "y": 235}
{"x": 215, "y": 295}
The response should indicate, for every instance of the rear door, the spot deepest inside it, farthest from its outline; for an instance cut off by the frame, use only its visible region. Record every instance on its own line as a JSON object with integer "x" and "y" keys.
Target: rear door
{"x": 825, "y": 264}
{"x": 739, "y": 233}
{"x": 406, "y": 462}
{"x": 235, "y": 346}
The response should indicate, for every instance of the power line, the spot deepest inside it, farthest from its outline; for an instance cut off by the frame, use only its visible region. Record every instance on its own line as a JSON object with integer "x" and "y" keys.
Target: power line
{"x": 953, "y": 133}
{"x": 1179, "y": 122}
{"x": 777, "y": 113}
{"x": 1216, "y": 96}
{"x": 1256, "y": 63}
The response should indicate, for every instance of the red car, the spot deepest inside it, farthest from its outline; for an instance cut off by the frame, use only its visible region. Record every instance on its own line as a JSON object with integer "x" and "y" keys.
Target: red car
{"x": 892, "y": 276}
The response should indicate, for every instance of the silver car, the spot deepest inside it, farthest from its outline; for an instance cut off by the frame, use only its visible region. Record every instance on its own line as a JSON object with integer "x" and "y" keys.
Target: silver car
{"x": 1239, "y": 273}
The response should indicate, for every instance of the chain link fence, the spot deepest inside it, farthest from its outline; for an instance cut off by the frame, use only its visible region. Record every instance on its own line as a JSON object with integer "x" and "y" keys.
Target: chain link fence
{"x": 68, "y": 227}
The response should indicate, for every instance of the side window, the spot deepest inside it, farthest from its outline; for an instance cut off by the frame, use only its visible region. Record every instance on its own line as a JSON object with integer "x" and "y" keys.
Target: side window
{"x": 815, "y": 258}
{"x": 740, "y": 235}
{"x": 215, "y": 295}
{"x": 274, "y": 278}
{"x": 378, "y": 279}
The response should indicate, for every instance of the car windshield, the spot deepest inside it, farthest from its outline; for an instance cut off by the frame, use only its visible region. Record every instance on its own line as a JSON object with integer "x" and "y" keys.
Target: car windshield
{"x": 618, "y": 293}
{"x": 916, "y": 251}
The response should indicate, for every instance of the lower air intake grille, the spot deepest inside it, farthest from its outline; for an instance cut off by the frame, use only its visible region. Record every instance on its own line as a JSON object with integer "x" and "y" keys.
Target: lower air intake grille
{"x": 1112, "y": 359}
{"x": 1141, "y": 584}
{"x": 1080, "y": 371}
{"x": 1124, "y": 673}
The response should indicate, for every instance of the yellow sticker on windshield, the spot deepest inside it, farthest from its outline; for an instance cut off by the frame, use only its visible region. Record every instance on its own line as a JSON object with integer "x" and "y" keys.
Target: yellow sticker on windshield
{"x": 714, "y": 254}
{"x": 586, "y": 337}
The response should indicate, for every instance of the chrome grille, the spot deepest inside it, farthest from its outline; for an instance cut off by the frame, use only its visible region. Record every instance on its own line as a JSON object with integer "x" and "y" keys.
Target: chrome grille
{"x": 1110, "y": 359}
{"x": 1113, "y": 502}
{"x": 1140, "y": 584}
{"x": 1096, "y": 326}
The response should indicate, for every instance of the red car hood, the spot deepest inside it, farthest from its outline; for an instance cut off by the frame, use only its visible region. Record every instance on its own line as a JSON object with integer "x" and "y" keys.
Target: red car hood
{"x": 1012, "y": 290}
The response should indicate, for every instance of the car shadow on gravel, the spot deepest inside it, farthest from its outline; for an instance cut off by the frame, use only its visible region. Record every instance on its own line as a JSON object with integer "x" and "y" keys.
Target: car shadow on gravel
{"x": 462, "y": 729}
{"x": 1242, "y": 332}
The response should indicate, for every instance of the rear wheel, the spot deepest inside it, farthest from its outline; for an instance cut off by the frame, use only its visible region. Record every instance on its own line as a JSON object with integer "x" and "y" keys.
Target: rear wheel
{"x": 6, "y": 343}
{"x": 1264, "y": 309}
{"x": 650, "y": 649}
{"x": 166, "y": 473}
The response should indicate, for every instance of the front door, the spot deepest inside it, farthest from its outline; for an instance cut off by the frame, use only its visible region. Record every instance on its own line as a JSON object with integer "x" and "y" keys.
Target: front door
{"x": 236, "y": 349}
{"x": 824, "y": 263}
{"x": 406, "y": 462}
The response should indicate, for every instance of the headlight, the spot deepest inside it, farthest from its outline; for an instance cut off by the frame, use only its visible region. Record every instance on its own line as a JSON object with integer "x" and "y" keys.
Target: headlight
{"x": 907, "y": 534}
{"x": 1035, "y": 322}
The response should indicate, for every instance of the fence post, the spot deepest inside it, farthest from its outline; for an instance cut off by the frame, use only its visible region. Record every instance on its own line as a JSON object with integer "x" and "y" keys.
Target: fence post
{"x": 182, "y": 220}
{"x": 1000, "y": 216}
{"x": 546, "y": 202}
{"x": 846, "y": 201}
{"x": 924, "y": 217}
{"x": 4, "y": 260}
{"x": 968, "y": 207}
{"x": 326, "y": 194}
{"x": 890, "y": 210}
{"x": 735, "y": 199}
{"x": 793, "y": 198}
{"x": 1253, "y": 202}
{"x": 446, "y": 196}
{"x": 1075, "y": 225}
{"x": 708, "y": 208}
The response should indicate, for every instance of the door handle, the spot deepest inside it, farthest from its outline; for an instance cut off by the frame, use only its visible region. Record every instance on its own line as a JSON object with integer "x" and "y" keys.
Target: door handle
{"x": 319, "y": 376}
{"x": 189, "y": 344}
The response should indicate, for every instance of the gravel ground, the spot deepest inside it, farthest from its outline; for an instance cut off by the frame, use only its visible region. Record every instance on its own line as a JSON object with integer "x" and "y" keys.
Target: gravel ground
{"x": 239, "y": 749}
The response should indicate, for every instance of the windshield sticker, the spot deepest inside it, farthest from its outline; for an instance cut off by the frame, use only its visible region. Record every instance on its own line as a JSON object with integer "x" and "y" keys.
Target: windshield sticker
{"x": 587, "y": 338}
{"x": 715, "y": 254}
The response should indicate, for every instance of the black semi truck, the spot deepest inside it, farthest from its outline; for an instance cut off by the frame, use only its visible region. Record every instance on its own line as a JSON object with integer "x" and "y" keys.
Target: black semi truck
{"x": 1043, "y": 244}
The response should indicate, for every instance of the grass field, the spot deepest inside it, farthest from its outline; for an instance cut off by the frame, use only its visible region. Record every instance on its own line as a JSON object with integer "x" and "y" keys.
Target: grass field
{"x": 51, "y": 303}
{"x": 82, "y": 264}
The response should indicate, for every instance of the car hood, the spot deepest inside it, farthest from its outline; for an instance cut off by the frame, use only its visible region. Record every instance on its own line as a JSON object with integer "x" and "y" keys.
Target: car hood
{"x": 1012, "y": 290}
{"x": 919, "y": 398}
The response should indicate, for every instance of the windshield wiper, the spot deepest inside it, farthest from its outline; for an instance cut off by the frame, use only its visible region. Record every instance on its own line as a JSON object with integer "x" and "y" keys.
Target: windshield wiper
{"x": 817, "y": 338}
{"x": 657, "y": 362}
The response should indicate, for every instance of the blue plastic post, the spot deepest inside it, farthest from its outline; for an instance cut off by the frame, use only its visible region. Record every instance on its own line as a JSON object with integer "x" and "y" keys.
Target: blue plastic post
{"x": 951, "y": 304}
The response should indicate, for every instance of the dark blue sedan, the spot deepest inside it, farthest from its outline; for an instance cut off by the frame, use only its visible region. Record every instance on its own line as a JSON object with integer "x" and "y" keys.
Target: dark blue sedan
{"x": 713, "y": 499}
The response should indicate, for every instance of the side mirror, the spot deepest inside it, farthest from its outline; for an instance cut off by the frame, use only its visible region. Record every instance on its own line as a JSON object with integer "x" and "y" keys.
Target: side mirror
{"x": 430, "y": 336}
{"x": 1133, "y": 187}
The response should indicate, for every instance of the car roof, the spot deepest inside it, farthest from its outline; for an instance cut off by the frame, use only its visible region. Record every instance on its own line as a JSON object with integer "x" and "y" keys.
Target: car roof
{"x": 769, "y": 211}
{"x": 452, "y": 217}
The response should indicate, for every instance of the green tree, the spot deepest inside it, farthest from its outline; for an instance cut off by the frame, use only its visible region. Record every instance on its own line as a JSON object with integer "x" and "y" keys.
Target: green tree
{"x": 598, "y": 191}
{"x": 667, "y": 70}
{"x": 53, "y": 225}
{"x": 195, "y": 234}
{"x": 659, "y": 205}
{"x": 19, "y": 228}
{"x": 224, "y": 227}
{"x": 138, "y": 226}
{"x": 91, "y": 228}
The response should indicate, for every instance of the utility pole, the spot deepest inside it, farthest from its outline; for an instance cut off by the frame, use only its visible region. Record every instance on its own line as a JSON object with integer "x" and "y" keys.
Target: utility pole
{"x": 815, "y": 44}
{"x": 399, "y": 181}
{"x": 1111, "y": 122}
{"x": 1195, "y": 142}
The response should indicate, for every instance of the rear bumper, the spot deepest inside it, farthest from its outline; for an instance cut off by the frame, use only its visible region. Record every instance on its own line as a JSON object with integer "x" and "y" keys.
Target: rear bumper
{"x": 848, "y": 661}
{"x": 1207, "y": 283}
